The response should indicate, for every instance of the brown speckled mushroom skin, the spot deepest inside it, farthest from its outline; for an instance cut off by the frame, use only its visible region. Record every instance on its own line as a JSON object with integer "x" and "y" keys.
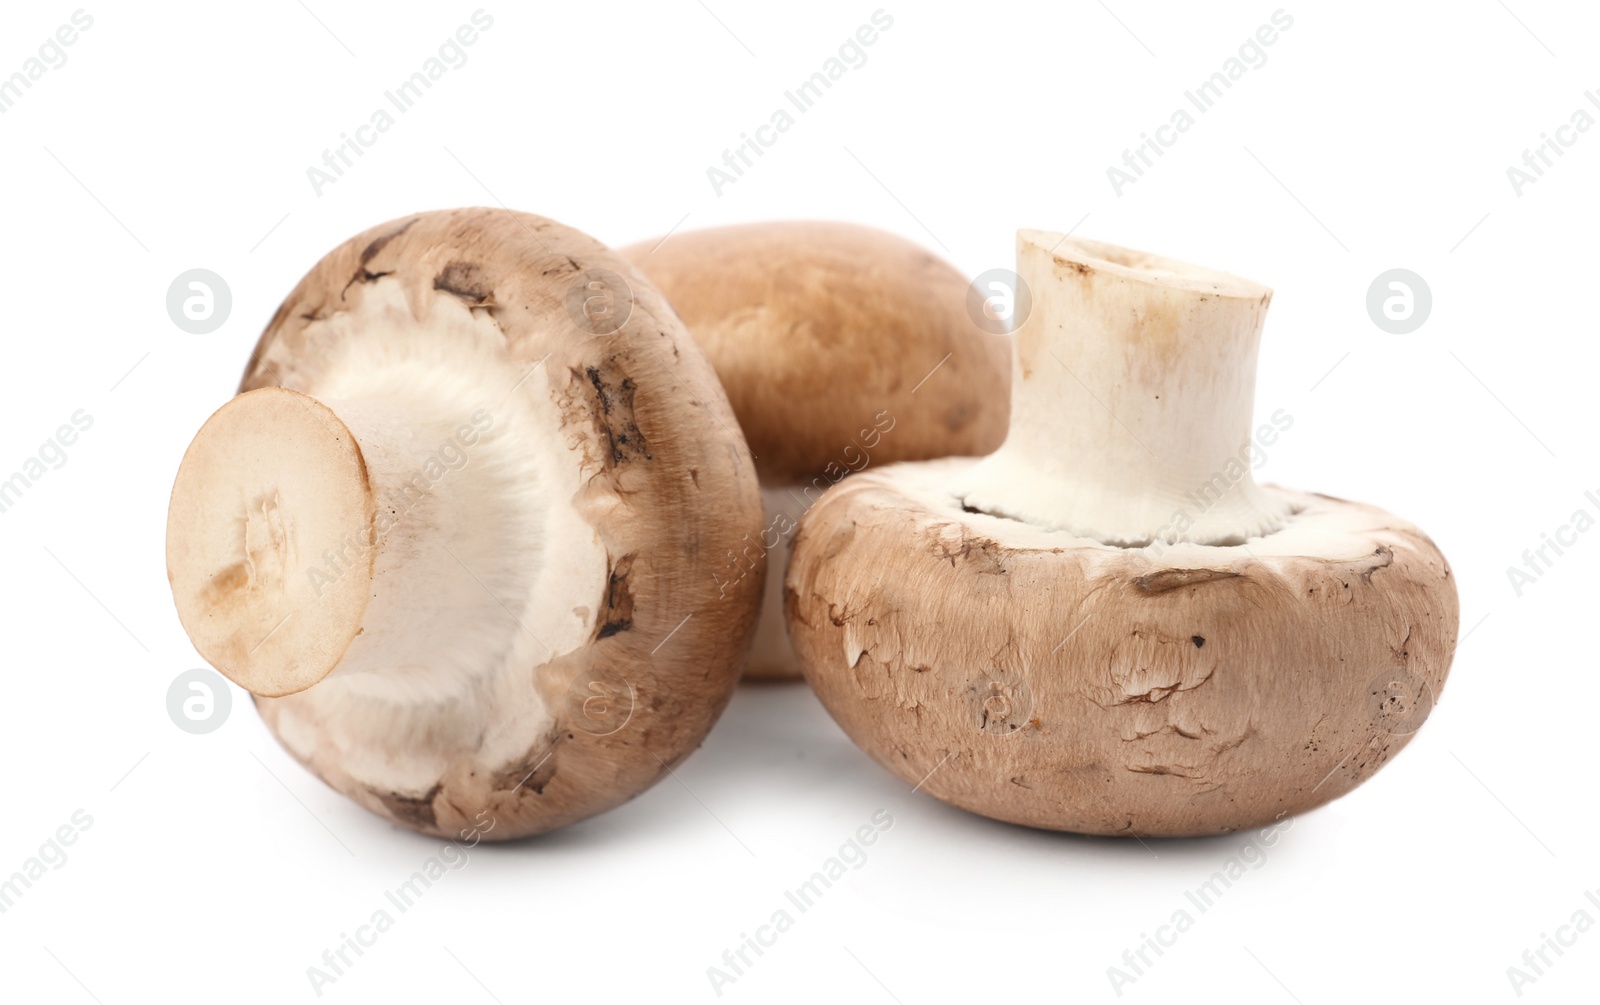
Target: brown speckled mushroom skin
{"x": 815, "y": 327}
{"x": 841, "y": 347}
{"x": 1145, "y": 697}
{"x": 667, "y": 484}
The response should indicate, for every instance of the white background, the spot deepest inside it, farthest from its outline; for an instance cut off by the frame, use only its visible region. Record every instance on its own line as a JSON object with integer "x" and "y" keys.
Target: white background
{"x": 1376, "y": 136}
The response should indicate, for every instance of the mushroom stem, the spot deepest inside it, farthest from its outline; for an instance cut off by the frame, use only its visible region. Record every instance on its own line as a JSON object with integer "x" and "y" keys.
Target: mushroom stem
{"x": 1132, "y": 388}
{"x": 309, "y": 538}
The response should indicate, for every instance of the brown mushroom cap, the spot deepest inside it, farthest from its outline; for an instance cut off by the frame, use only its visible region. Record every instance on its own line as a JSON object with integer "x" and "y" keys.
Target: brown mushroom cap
{"x": 840, "y": 346}
{"x": 1058, "y": 682}
{"x": 479, "y": 519}
{"x": 816, "y": 328}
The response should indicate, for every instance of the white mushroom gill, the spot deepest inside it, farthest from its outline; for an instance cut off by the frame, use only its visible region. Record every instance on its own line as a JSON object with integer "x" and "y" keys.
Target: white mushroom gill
{"x": 476, "y": 561}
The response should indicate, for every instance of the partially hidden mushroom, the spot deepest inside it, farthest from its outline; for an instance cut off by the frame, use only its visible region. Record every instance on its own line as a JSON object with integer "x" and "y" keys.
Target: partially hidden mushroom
{"x": 452, "y": 533}
{"x": 1107, "y": 626}
{"x": 840, "y": 347}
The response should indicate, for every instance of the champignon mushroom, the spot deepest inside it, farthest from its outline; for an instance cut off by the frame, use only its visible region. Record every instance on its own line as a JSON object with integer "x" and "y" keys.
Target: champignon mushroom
{"x": 840, "y": 347}
{"x": 1107, "y": 626}
{"x": 452, "y": 534}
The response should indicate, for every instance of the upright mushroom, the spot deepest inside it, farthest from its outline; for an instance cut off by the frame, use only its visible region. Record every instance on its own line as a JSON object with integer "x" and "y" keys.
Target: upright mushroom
{"x": 840, "y": 347}
{"x": 453, "y": 531}
{"x": 1107, "y": 626}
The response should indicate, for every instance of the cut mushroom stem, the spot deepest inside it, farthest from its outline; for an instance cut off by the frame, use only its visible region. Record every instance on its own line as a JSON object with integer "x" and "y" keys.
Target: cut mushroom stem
{"x": 348, "y": 519}
{"x": 1131, "y": 400}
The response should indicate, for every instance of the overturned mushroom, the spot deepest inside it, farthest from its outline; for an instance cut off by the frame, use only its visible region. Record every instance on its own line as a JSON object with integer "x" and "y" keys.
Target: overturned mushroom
{"x": 840, "y": 347}
{"x": 452, "y": 533}
{"x": 1107, "y": 626}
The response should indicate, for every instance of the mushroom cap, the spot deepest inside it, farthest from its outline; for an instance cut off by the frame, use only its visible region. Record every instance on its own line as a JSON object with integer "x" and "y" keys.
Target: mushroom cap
{"x": 1054, "y": 681}
{"x": 818, "y": 328}
{"x": 602, "y": 650}
{"x": 840, "y": 346}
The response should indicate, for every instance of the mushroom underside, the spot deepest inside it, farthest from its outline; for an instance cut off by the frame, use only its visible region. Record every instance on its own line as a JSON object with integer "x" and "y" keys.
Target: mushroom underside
{"x": 478, "y": 539}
